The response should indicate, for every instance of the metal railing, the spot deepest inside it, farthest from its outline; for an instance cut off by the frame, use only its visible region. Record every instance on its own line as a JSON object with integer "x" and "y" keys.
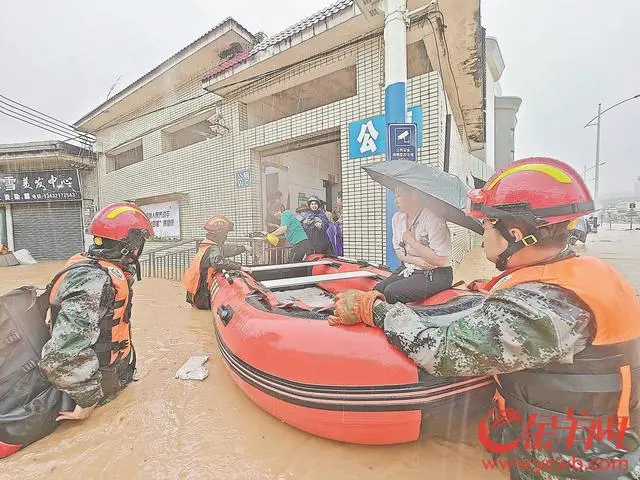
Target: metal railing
{"x": 170, "y": 262}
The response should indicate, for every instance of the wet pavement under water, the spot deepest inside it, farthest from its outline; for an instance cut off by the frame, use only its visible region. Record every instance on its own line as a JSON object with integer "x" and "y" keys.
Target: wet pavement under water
{"x": 164, "y": 428}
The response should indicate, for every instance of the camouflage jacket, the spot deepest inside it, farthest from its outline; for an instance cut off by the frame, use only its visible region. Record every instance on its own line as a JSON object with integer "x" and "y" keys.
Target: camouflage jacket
{"x": 68, "y": 361}
{"x": 218, "y": 255}
{"x": 527, "y": 326}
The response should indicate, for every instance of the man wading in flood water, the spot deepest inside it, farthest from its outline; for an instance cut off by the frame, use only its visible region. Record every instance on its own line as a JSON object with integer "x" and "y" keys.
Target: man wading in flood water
{"x": 560, "y": 332}
{"x": 89, "y": 355}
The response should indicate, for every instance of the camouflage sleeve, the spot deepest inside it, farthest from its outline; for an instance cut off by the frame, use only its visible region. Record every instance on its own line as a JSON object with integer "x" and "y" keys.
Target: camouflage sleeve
{"x": 68, "y": 360}
{"x": 528, "y": 326}
{"x": 231, "y": 250}
{"x": 218, "y": 260}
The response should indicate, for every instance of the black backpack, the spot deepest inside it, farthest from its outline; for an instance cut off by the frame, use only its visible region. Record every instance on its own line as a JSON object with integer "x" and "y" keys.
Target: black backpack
{"x": 29, "y": 403}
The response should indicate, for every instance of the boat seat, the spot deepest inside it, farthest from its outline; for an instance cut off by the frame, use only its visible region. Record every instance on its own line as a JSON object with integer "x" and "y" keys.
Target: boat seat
{"x": 285, "y": 266}
{"x": 312, "y": 279}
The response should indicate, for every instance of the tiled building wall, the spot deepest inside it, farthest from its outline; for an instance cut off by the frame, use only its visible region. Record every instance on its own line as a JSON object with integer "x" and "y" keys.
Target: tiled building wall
{"x": 462, "y": 164}
{"x": 204, "y": 173}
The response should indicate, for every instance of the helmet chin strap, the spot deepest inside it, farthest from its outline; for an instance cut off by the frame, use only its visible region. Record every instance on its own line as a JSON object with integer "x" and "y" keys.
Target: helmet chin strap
{"x": 530, "y": 238}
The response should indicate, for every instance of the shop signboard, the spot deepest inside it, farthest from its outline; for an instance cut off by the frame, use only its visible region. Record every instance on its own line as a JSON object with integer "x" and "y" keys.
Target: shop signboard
{"x": 43, "y": 186}
{"x": 165, "y": 218}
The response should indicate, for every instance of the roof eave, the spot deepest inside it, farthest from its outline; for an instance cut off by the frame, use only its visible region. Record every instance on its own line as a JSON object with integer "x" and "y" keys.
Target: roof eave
{"x": 172, "y": 61}
{"x": 268, "y": 49}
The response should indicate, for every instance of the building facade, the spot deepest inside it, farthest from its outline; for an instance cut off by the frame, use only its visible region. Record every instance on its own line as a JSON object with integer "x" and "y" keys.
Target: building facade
{"x": 299, "y": 113}
{"x": 47, "y": 198}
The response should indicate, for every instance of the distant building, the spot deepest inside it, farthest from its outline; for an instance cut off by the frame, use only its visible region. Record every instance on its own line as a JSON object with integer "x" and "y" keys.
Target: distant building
{"x": 47, "y": 197}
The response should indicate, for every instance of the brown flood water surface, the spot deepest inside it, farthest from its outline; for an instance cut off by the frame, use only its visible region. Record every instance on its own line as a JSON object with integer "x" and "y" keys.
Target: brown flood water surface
{"x": 164, "y": 428}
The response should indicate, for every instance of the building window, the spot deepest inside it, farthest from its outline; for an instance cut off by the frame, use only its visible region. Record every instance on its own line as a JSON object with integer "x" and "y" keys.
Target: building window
{"x": 187, "y": 136}
{"x": 125, "y": 156}
{"x": 194, "y": 129}
{"x": 324, "y": 90}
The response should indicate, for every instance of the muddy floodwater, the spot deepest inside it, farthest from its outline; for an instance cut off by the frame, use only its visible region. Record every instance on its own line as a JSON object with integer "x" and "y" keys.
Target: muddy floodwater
{"x": 163, "y": 428}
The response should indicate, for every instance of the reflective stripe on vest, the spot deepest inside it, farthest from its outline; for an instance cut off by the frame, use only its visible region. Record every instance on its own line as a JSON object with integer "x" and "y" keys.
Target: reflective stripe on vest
{"x": 119, "y": 343}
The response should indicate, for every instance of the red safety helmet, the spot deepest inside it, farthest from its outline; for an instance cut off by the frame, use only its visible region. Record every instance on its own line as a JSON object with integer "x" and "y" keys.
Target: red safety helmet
{"x": 536, "y": 191}
{"x": 218, "y": 223}
{"x": 541, "y": 191}
{"x": 121, "y": 222}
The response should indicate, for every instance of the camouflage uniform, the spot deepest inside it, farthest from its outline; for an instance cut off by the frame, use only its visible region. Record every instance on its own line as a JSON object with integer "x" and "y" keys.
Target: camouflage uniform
{"x": 218, "y": 255}
{"x": 68, "y": 359}
{"x": 527, "y": 326}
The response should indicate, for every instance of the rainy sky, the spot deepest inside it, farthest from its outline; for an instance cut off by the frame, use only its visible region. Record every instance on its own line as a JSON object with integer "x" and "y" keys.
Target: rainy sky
{"x": 562, "y": 57}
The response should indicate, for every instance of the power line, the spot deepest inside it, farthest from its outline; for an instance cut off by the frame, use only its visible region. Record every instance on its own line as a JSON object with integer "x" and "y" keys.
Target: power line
{"x": 31, "y": 123}
{"x": 25, "y": 113}
{"x": 39, "y": 113}
{"x": 435, "y": 41}
{"x": 115, "y": 122}
{"x": 453, "y": 76}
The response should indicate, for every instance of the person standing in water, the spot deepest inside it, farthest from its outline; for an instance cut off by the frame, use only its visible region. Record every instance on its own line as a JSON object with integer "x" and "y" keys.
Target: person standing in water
{"x": 213, "y": 256}
{"x": 422, "y": 242}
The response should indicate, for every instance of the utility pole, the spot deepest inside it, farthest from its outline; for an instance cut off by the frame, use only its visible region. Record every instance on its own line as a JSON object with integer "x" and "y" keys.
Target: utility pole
{"x": 589, "y": 124}
{"x": 595, "y": 190}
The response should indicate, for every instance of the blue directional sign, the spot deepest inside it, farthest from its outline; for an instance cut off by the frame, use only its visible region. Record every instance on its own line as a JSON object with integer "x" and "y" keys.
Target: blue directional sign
{"x": 243, "y": 179}
{"x": 369, "y": 136}
{"x": 402, "y": 139}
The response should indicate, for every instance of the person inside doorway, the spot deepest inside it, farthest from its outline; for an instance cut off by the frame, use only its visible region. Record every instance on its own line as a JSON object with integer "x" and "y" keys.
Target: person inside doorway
{"x": 335, "y": 229}
{"x": 422, "y": 242}
{"x": 316, "y": 223}
{"x": 292, "y": 229}
{"x": 271, "y": 222}
{"x": 336, "y": 214}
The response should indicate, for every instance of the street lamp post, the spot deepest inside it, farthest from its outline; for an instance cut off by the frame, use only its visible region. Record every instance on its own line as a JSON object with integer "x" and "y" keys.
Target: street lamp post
{"x": 589, "y": 124}
{"x": 595, "y": 188}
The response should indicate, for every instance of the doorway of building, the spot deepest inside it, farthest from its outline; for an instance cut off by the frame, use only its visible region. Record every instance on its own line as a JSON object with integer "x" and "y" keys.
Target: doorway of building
{"x": 295, "y": 171}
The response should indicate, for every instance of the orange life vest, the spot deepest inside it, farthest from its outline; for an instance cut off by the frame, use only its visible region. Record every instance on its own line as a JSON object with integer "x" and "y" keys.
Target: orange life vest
{"x": 604, "y": 377}
{"x": 196, "y": 281}
{"x": 114, "y": 342}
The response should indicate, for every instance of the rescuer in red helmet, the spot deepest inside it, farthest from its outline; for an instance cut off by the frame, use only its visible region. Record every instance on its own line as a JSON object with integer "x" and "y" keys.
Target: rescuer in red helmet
{"x": 211, "y": 257}
{"x": 559, "y": 332}
{"x": 90, "y": 355}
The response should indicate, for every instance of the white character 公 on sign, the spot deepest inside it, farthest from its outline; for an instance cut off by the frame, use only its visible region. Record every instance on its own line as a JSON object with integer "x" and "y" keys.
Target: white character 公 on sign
{"x": 367, "y": 137}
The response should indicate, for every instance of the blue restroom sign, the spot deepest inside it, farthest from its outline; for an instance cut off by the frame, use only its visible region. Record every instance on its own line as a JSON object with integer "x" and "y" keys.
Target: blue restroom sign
{"x": 243, "y": 179}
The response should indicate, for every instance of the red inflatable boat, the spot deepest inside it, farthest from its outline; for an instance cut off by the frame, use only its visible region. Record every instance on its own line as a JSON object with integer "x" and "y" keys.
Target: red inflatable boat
{"x": 342, "y": 383}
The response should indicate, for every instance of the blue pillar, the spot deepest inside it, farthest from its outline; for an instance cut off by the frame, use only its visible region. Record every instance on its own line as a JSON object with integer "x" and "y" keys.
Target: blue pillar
{"x": 395, "y": 94}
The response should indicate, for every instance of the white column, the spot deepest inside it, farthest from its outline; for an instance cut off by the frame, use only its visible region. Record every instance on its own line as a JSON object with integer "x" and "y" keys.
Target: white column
{"x": 10, "y": 243}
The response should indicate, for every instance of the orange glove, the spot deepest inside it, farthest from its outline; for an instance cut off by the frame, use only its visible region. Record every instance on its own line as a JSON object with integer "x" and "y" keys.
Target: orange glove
{"x": 354, "y": 306}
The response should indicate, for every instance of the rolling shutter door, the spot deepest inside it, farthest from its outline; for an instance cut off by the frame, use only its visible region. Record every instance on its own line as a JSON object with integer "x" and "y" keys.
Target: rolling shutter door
{"x": 50, "y": 231}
